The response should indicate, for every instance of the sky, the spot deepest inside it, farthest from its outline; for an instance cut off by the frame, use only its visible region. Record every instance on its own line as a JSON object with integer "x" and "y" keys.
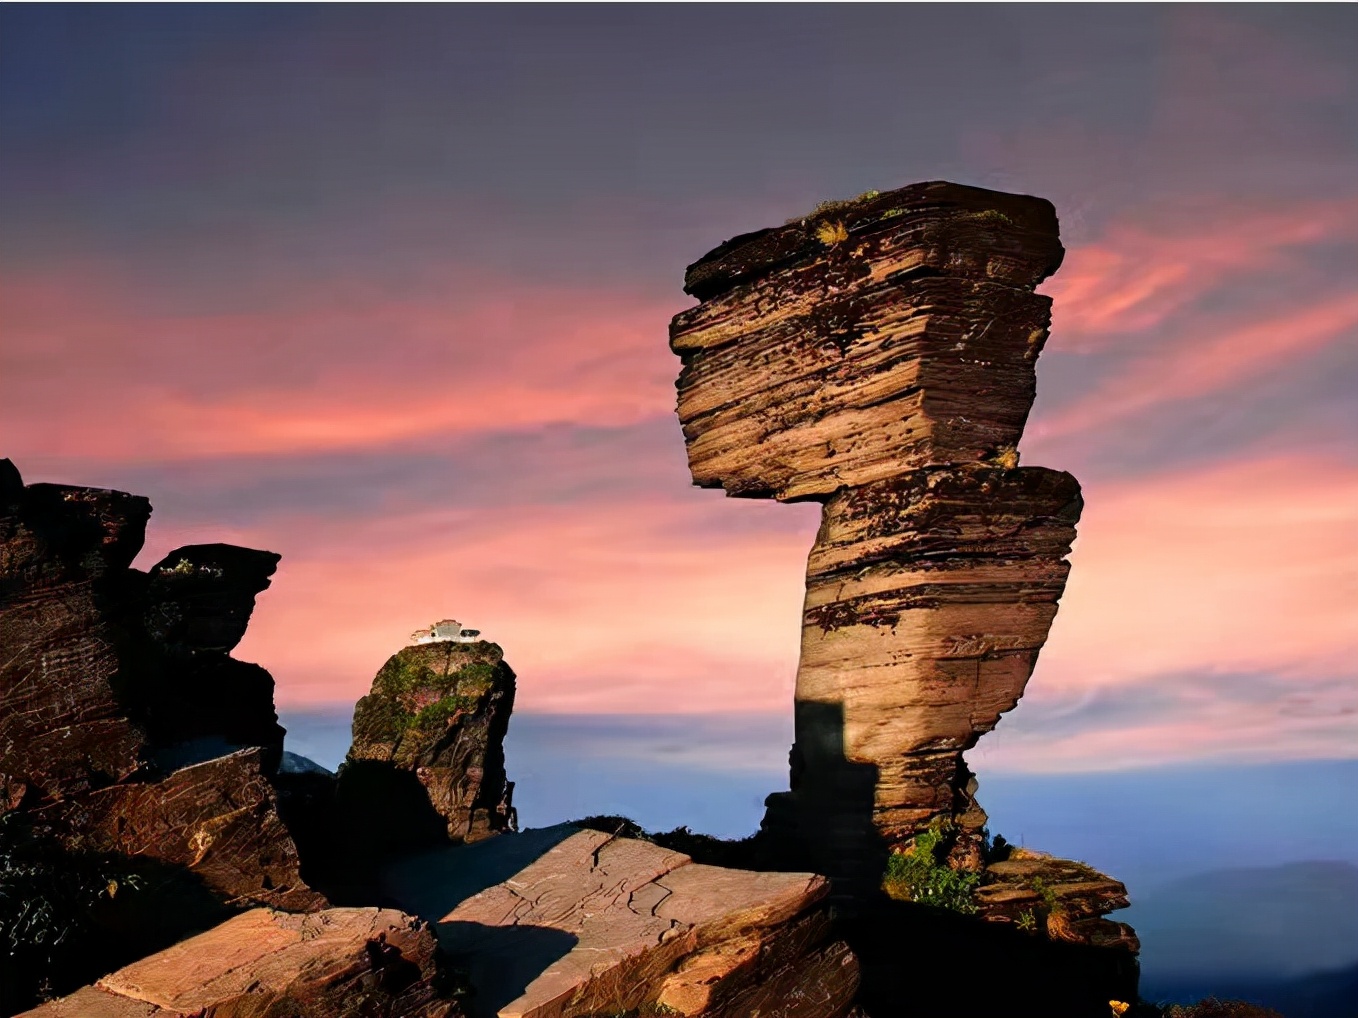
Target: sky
{"x": 385, "y": 289}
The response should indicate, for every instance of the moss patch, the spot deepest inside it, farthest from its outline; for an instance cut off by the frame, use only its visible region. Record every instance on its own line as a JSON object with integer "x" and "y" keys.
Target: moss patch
{"x": 422, "y": 689}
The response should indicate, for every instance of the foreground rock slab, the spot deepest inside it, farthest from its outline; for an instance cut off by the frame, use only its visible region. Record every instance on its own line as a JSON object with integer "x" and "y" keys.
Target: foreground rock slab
{"x": 345, "y": 961}
{"x": 599, "y": 924}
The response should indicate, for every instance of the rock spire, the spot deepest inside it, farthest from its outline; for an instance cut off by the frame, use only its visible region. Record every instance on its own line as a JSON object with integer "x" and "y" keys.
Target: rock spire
{"x": 878, "y": 356}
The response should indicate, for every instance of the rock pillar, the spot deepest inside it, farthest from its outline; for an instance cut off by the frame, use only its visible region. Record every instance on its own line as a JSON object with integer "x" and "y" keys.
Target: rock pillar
{"x": 878, "y": 357}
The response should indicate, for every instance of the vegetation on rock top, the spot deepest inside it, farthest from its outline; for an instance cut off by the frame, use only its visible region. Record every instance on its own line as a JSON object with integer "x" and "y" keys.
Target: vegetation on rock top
{"x": 920, "y": 873}
{"x": 421, "y": 689}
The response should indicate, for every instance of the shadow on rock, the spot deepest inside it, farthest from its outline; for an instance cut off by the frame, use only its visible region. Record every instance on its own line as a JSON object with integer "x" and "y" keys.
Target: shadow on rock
{"x": 500, "y": 960}
{"x": 67, "y": 918}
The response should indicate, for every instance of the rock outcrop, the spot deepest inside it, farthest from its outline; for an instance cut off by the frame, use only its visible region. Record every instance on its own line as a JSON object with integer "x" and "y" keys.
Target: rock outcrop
{"x": 107, "y": 669}
{"x": 347, "y": 961}
{"x": 427, "y": 759}
{"x": 595, "y": 924}
{"x": 1065, "y": 900}
{"x": 120, "y": 709}
{"x": 64, "y": 555}
{"x": 215, "y": 820}
{"x": 879, "y": 357}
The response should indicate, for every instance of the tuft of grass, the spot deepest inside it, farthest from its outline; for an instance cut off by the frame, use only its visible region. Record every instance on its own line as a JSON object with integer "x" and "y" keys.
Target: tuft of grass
{"x": 921, "y": 874}
{"x": 835, "y": 206}
{"x": 989, "y": 217}
{"x": 1006, "y": 457}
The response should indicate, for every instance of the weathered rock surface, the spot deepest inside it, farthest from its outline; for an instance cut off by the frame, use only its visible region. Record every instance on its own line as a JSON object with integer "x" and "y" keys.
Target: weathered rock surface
{"x": 598, "y": 924}
{"x": 429, "y": 737}
{"x": 373, "y": 962}
{"x": 111, "y": 681}
{"x": 106, "y": 667}
{"x": 64, "y": 725}
{"x": 816, "y": 362}
{"x": 928, "y": 599}
{"x": 197, "y": 602}
{"x": 217, "y": 820}
{"x": 1064, "y": 899}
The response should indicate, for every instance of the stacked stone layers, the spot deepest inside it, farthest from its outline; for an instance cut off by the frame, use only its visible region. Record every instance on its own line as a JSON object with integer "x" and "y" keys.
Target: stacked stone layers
{"x": 813, "y": 365}
{"x": 928, "y": 599}
{"x": 878, "y": 356}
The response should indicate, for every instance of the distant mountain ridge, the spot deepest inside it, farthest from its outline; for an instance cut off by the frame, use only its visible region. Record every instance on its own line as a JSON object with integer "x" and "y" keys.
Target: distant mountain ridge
{"x": 1285, "y": 936}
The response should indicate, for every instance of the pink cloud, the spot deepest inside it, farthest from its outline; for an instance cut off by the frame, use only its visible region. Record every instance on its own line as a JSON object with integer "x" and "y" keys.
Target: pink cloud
{"x": 1229, "y": 355}
{"x": 1248, "y": 566}
{"x": 641, "y": 606}
{"x": 1236, "y": 733}
{"x": 95, "y": 373}
{"x": 1148, "y": 267}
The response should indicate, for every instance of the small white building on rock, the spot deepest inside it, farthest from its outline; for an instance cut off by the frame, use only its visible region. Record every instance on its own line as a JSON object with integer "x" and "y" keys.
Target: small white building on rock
{"x": 447, "y": 631}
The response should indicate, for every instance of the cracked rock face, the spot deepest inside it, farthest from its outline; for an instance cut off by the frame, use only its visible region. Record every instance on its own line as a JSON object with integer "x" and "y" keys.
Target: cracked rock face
{"x": 217, "y": 820}
{"x": 345, "y": 961}
{"x": 598, "y": 924}
{"x": 879, "y": 357}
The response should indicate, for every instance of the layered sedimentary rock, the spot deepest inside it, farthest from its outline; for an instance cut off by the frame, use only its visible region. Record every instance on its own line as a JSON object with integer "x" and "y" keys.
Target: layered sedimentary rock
{"x": 112, "y": 680}
{"x": 851, "y": 345}
{"x": 197, "y": 602}
{"x": 597, "y": 924}
{"x": 106, "y": 668}
{"x": 64, "y": 553}
{"x": 1065, "y": 900}
{"x": 348, "y": 961}
{"x": 878, "y": 356}
{"x": 427, "y": 759}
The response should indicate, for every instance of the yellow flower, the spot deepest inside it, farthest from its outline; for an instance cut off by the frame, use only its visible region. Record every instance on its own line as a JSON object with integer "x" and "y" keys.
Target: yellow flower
{"x": 1119, "y": 1007}
{"x": 831, "y": 233}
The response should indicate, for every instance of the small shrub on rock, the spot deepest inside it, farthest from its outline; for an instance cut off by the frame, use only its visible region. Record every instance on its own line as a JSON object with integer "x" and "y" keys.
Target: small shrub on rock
{"x": 921, "y": 874}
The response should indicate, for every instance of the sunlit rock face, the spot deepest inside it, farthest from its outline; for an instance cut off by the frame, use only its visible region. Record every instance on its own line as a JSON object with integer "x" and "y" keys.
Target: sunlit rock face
{"x": 567, "y": 922}
{"x": 878, "y": 356}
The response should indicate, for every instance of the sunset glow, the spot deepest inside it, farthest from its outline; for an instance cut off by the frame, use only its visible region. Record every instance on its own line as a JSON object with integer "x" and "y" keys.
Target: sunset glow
{"x": 439, "y": 384}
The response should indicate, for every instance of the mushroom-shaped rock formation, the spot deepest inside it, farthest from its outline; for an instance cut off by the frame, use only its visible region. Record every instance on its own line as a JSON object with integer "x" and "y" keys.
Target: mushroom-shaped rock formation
{"x": 878, "y": 357}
